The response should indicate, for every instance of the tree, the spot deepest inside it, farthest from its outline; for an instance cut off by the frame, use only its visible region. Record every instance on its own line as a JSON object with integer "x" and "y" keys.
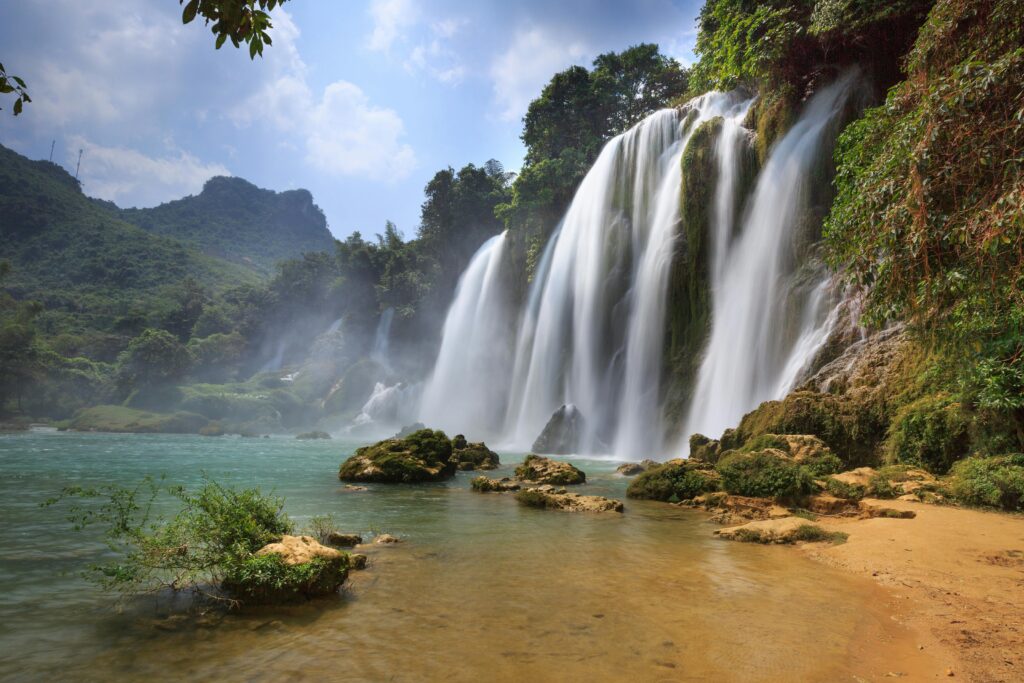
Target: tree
{"x": 153, "y": 358}
{"x": 240, "y": 21}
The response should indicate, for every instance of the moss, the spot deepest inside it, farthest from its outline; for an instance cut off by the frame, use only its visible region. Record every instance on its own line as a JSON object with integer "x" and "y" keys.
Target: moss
{"x": 121, "y": 419}
{"x": 546, "y": 471}
{"x": 763, "y": 474}
{"x": 424, "y": 455}
{"x": 996, "y": 481}
{"x": 842, "y": 489}
{"x": 809, "y": 533}
{"x": 704, "y": 449}
{"x": 932, "y": 432}
{"x": 771, "y": 116}
{"x": 473, "y": 456}
{"x": 269, "y": 579}
{"x": 533, "y": 499}
{"x": 674, "y": 481}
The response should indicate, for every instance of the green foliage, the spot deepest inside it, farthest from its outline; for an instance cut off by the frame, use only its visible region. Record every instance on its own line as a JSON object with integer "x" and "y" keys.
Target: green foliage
{"x": 11, "y": 84}
{"x": 120, "y": 419}
{"x": 842, "y": 489}
{"x": 764, "y": 474}
{"x": 269, "y": 579}
{"x": 321, "y": 527}
{"x": 929, "y": 216}
{"x": 153, "y": 358}
{"x": 932, "y": 432}
{"x": 208, "y": 541}
{"x": 234, "y": 220}
{"x": 240, "y": 21}
{"x": 218, "y": 357}
{"x": 996, "y": 481}
{"x": 674, "y": 481}
{"x": 810, "y": 533}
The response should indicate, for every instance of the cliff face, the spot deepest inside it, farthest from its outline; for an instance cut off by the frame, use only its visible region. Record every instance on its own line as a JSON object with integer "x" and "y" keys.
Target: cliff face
{"x": 237, "y": 221}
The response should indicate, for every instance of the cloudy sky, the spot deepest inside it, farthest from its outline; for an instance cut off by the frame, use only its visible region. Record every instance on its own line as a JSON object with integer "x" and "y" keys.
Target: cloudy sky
{"x": 359, "y": 101}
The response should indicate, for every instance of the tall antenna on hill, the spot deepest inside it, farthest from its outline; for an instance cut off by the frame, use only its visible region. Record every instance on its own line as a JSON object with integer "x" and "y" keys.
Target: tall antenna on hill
{"x": 52, "y": 144}
{"x": 79, "y": 165}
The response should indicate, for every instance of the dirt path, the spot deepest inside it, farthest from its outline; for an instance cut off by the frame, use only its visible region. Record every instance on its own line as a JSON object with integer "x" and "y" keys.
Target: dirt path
{"x": 957, "y": 577}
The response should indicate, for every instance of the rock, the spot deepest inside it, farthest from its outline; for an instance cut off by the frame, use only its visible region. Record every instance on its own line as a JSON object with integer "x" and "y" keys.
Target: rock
{"x": 568, "y": 502}
{"x": 409, "y": 429}
{"x": 386, "y": 539}
{"x": 357, "y": 561}
{"x": 353, "y": 488}
{"x": 308, "y": 436}
{"x": 299, "y": 550}
{"x": 631, "y": 469}
{"x": 830, "y": 505}
{"x": 486, "y": 485}
{"x": 424, "y": 455}
{"x": 862, "y": 477}
{"x": 563, "y": 433}
{"x": 675, "y": 480}
{"x": 782, "y": 530}
{"x": 473, "y": 456}
{"x": 704, "y": 449}
{"x": 869, "y": 511}
{"x": 543, "y": 470}
{"x": 343, "y": 540}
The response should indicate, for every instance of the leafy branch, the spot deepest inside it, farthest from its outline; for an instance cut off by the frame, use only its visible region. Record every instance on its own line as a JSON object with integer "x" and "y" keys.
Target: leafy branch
{"x": 13, "y": 84}
{"x": 240, "y": 21}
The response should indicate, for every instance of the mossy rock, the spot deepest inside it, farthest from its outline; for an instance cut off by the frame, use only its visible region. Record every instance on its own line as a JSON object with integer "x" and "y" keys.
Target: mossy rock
{"x": 675, "y": 480}
{"x": 473, "y": 456}
{"x": 424, "y": 455}
{"x": 704, "y": 449}
{"x": 932, "y": 432}
{"x": 536, "y": 468}
{"x": 271, "y": 579}
{"x": 768, "y": 473}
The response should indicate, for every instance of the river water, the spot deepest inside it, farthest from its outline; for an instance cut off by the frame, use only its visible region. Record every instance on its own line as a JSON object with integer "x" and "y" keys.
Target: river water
{"x": 480, "y": 589}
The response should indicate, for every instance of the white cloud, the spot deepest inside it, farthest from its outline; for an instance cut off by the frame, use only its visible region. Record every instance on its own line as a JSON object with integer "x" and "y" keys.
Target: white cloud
{"x": 390, "y": 19}
{"x": 130, "y": 178}
{"x": 519, "y": 73}
{"x": 341, "y": 131}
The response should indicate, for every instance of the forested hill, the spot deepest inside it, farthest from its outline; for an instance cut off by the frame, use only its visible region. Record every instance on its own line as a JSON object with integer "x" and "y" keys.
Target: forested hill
{"x": 237, "y": 221}
{"x": 90, "y": 269}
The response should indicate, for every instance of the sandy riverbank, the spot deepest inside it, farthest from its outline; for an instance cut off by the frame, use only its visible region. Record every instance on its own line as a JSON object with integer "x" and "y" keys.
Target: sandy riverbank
{"x": 956, "y": 578}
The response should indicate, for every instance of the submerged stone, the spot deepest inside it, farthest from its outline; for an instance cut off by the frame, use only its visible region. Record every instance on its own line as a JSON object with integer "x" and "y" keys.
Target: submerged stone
{"x": 563, "y": 433}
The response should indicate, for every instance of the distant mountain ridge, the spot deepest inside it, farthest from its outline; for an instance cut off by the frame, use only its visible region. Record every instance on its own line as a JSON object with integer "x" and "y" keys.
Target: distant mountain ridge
{"x": 234, "y": 220}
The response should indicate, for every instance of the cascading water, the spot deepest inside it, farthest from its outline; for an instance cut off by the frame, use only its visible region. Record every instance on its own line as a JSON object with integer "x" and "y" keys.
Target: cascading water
{"x": 467, "y": 390}
{"x": 753, "y": 353}
{"x": 592, "y": 334}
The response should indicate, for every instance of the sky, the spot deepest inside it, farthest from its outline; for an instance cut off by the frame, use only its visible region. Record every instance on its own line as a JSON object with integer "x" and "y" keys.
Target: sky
{"x": 358, "y": 101}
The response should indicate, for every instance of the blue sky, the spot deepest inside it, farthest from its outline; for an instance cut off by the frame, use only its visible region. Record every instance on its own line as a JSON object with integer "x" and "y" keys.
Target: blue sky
{"x": 359, "y": 101}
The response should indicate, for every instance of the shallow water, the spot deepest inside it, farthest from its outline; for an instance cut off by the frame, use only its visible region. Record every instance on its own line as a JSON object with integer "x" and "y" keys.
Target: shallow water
{"x": 481, "y": 589}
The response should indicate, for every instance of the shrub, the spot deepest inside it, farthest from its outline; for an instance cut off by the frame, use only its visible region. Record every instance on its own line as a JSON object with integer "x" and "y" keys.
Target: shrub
{"x": 841, "y": 489}
{"x": 932, "y": 432}
{"x": 322, "y": 526}
{"x": 809, "y": 533}
{"x": 764, "y": 474}
{"x": 673, "y": 481}
{"x": 989, "y": 482}
{"x": 210, "y": 542}
{"x": 268, "y": 578}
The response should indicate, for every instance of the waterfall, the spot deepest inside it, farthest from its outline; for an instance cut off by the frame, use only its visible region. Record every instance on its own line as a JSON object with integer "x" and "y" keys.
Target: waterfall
{"x": 767, "y": 324}
{"x": 592, "y": 334}
{"x": 382, "y": 337}
{"x": 467, "y": 390}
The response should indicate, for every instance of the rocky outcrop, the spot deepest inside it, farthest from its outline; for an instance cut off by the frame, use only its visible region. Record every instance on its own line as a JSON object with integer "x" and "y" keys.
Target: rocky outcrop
{"x": 470, "y": 456}
{"x": 782, "y": 530}
{"x": 541, "y": 470}
{"x": 548, "y": 498}
{"x": 339, "y": 539}
{"x": 424, "y": 455}
{"x": 631, "y": 469}
{"x": 487, "y": 485}
{"x": 294, "y": 567}
{"x": 563, "y": 433}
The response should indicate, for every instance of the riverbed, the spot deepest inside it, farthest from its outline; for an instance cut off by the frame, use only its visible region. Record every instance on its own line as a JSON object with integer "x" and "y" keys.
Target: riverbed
{"x": 479, "y": 589}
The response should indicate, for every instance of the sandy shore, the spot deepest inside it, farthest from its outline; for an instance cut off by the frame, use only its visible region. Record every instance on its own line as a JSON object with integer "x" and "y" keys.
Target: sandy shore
{"x": 956, "y": 578}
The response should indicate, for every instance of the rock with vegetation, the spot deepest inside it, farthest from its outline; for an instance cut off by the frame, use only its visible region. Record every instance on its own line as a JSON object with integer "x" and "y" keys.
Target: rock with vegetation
{"x": 343, "y": 540}
{"x": 312, "y": 436}
{"x": 766, "y": 473}
{"x": 563, "y": 433}
{"x": 782, "y": 530}
{"x": 631, "y": 469}
{"x": 540, "y": 470}
{"x": 424, "y": 455}
{"x": 291, "y": 568}
{"x": 473, "y": 455}
{"x": 488, "y": 485}
{"x": 674, "y": 481}
{"x": 704, "y": 449}
{"x": 567, "y": 502}
{"x": 120, "y": 419}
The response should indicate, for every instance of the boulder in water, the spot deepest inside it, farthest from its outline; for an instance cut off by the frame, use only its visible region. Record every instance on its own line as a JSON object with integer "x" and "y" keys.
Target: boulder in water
{"x": 631, "y": 469}
{"x": 486, "y": 485}
{"x": 568, "y": 502}
{"x": 473, "y": 456}
{"x": 541, "y": 470}
{"x": 344, "y": 540}
{"x": 424, "y": 455}
{"x": 293, "y": 568}
{"x": 563, "y": 433}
